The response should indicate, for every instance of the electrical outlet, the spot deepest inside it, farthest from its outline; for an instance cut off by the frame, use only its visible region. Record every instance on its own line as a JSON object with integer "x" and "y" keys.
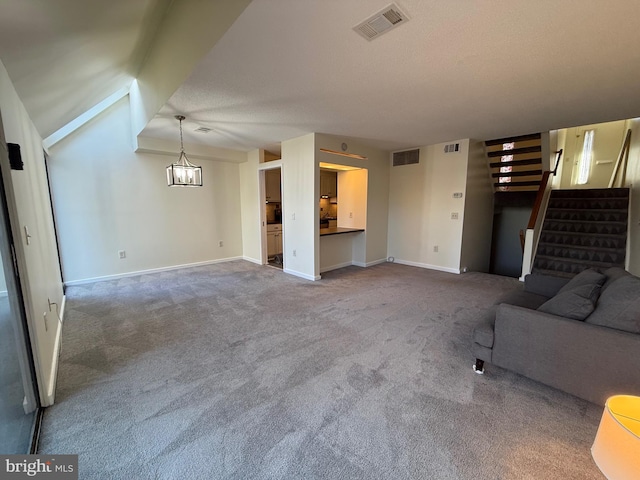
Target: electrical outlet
{"x": 122, "y": 254}
{"x": 435, "y": 248}
{"x": 221, "y": 243}
{"x": 454, "y": 215}
{"x": 294, "y": 253}
{"x": 350, "y": 214}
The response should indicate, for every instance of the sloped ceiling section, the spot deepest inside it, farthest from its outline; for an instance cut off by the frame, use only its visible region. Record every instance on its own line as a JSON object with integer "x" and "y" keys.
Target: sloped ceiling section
{"x": 65, "y": 56}
{"x": 189, "y": 30}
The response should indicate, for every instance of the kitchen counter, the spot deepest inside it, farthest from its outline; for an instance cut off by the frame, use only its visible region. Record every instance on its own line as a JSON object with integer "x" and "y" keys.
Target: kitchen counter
{"x": 338, "y": 231}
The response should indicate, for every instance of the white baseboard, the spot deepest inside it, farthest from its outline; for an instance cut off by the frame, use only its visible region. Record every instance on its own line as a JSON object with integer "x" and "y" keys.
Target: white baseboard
{"x": 337, "y": 266}
{"x": 253, "y": 260}
{"x": 301, "y": 275}
{"x": 53, "y": 374}
{"x": 152, "y": 270}
{"x": 370, "y": 264}
{"x": 356, "y": 264}
{"x": 429, "y": 266}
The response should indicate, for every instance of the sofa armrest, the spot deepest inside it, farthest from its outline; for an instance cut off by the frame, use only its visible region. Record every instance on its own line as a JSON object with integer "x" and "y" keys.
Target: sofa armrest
{"x": 589, "y": 361}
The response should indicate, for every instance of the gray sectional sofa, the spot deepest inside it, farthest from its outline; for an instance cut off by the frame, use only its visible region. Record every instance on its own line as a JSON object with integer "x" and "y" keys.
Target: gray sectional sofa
{"x": 581, "y": 336}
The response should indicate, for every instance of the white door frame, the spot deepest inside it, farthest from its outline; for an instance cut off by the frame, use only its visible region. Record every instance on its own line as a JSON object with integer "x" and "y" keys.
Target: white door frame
{"x": 262, "y": 198}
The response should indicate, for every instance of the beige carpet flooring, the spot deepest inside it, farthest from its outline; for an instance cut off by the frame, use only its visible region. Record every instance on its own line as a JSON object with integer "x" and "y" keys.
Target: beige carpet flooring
{"x": 236, "y": 371}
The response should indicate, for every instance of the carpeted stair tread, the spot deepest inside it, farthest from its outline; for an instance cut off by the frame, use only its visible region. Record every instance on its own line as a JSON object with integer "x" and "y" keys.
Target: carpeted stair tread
{"x": 591, "y": 193}
{"x": 600, "y": 222}
{"x": 588, "y": 215}
{"x": 616, "y": 250}
{"x": 589, "y": 203}
{"x": 582, "y": 229}
{"x": 596, "y": 258}
{"x": 592, "y": 264}
{"x": 606, "y": 228}
{"x": 553, "y": 273}
{"x": 594, "y": 235}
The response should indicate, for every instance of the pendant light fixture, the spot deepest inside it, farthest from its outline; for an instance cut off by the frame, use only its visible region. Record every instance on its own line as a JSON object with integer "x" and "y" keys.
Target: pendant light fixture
{"x": 183, "y": 173}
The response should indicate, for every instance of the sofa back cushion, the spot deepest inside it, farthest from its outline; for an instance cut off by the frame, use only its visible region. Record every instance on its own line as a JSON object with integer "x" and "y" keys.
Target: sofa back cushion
{"x": 619, "y": 305}
{"x": 545, "y": 285}
{"x": 577, "y": 299}
{"x": 612, "y": 275}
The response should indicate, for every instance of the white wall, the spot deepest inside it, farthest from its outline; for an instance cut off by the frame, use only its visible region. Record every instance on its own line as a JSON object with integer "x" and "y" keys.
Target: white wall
{"x": 477, "y": 227}
{"x": 108, "y": 198}
{"x": 607, "y": 141}
{"x": 28, "y": 198}
{"x": 300, "y": 193}
{"x": 420, "y": 206}
{"x": 250, "y": 207}
{"x": 336, "y": 251}
{"x": 352, "y": 198}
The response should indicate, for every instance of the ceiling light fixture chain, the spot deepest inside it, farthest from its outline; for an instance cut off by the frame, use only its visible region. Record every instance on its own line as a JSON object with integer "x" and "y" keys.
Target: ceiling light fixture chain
{"x": 183, "y": 173}
{"x": 180, "y": 118}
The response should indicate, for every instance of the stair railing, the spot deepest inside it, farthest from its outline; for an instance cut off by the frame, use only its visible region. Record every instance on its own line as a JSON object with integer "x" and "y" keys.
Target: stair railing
{"x": 535, "y": 219}
{"x": 621, "y": 163}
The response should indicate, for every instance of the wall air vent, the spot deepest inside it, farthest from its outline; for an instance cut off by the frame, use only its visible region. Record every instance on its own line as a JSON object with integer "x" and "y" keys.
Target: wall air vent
{"x": 452, "y": 147}
{"x": 408, "y": 157}
{"x": 202, "y": 130}
{"x": 381, "y": 22}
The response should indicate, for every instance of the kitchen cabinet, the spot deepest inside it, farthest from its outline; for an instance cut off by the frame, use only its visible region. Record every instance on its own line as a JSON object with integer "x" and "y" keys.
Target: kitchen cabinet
{"x": 274, "y": 239}
{"x": 272, "y": 185}
{"x": 328, "y": 184}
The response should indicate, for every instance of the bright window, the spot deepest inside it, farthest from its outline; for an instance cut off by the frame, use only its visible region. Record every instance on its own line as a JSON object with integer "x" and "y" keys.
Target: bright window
{"x": 584, "y": 167}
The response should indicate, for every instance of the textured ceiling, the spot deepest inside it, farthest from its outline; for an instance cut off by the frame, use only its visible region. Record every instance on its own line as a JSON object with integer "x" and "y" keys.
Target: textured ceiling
{"x": 456, "y": 69}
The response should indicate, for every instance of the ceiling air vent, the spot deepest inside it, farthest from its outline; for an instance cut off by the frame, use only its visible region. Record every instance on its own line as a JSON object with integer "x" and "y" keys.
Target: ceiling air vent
{"x": 408, "y": 157}
{"x": 381, "y": 22}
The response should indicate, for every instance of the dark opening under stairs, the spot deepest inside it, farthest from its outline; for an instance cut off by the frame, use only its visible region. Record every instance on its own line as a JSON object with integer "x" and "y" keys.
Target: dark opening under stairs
{"x": 584, "y": 228}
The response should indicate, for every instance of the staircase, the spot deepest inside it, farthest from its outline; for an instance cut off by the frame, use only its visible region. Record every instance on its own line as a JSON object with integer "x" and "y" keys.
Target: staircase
{"x": 583, "y": 229}
{"x": 515, "y": 162}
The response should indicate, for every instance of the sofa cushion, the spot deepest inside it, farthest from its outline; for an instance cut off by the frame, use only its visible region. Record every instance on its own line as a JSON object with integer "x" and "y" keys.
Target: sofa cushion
{"x": 577, "y": 299}
{"x": 619, "y": 305}
{"x": 523, "y": 299}
{"x": 585, "y": 277}
{"x": 545, "y": 285}
{"x": 612, "y": 275}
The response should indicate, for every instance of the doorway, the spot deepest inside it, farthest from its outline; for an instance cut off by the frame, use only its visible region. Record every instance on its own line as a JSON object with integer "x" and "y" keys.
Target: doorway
{"x": 273, "y": 233}
{"x": 19, "y": 403}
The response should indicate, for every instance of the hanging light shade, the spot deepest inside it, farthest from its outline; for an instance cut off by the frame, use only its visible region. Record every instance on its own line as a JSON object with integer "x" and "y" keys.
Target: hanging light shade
{"x": 183, "y": 173}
